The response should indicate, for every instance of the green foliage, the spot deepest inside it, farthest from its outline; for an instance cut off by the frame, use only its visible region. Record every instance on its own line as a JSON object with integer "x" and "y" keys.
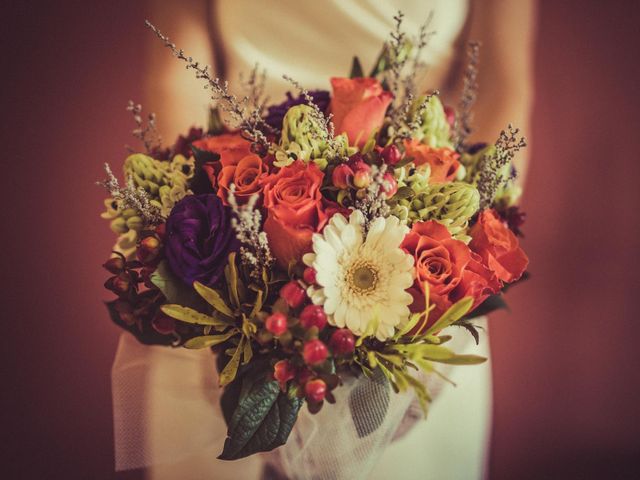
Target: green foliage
{"x": 403, "y": 351}
{"x": 259, "y": 416}
{"x": 356, "y": 69}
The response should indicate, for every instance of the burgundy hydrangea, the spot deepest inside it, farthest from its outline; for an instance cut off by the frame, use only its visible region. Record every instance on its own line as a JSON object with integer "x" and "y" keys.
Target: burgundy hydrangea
{"x": 275, "y": 114}
{"x": 199, "y": 239}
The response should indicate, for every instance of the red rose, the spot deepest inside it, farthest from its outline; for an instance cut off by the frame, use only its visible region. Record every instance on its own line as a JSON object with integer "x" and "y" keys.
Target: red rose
{"x": 246, "y": 176}
{"x": 443, "y": 161}
{"x": 450, "y": 268}
{"x": 295, "y": 210}
{"x": 358, "y": 106}
{"x": 498, "y": 247}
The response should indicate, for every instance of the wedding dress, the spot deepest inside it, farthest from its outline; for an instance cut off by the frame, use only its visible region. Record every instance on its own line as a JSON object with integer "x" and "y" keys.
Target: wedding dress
{"x": 166, "y": 401}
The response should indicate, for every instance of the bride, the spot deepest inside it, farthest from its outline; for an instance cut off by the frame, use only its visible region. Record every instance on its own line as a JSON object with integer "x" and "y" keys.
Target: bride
{"x": 166, "y": 414}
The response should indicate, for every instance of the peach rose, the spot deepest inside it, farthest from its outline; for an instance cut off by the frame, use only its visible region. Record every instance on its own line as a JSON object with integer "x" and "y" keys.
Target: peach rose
{"x": 230, "y": 146}
{"x": 450, "y": 268}
{"x": 443, "y": 161}
{"x": 358, "y": 106}
{"x": 295, "y": 210}
{"x": 246, "y": 176}
{"x": 498, "y": 247}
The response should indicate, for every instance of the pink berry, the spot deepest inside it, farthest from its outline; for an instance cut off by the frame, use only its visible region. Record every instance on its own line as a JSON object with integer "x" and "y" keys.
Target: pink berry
{"x": 283, "y": 371}
{"x": 390, "y": 185}
{"x": 313, "y": 316}
{"x": 342, "y": 342}
{"x": 315, "y": 352}
{"x": 362, "y": 179}
{"x": 293, "y": 294}
{"x": 276, "y": 323}
{"x": 391, "y": 155}
{"x": 315, "y": 390}
{"x": 309, "y": 275}
{"x": 341, "y": 176}
{"x": 450, "y": 113}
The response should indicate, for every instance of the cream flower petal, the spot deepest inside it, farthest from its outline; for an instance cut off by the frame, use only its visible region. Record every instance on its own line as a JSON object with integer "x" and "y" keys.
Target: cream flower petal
{"x": 363, "y": 277}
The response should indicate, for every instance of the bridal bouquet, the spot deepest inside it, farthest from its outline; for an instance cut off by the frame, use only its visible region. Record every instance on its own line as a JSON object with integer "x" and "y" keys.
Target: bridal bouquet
{"x": 336, "y": 233}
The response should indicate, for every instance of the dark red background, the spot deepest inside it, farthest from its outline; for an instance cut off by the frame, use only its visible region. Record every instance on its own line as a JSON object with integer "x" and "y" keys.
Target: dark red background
{"x": 565, "y": 359}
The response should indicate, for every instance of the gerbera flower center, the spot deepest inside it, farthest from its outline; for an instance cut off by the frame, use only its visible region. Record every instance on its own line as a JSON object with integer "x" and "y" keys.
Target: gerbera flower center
{"x": 363, "y": 276}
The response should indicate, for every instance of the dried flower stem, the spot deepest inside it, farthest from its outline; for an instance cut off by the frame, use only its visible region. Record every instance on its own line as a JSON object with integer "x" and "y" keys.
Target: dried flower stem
{"x": 464, "y": 115}
{"x": 147, "y": 134}
{"x": 490, "y": 178}
{"x": 255, "y": 252}
{"x": 249, "y": 123}
{"x": 373, "y": 203}
{"x": 132, "y": 197}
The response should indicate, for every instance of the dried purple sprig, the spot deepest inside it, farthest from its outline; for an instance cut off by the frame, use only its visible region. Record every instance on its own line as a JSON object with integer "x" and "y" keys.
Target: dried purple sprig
{"x": 490, "y": 178}
{"x": 249, "y": 121}
{"x": 254, "y": 86}
{"x": 133, "y": 197}
{"x": 424, "y": 36}
{"x": 464, "y": 117}
{"x": 255, "y": 254}
{"x": 147, "y": 134}
{"x": 373, "y": 203}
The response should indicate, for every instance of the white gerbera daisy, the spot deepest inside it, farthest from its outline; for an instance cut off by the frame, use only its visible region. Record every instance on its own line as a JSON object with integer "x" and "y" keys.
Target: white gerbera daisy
{"x": 362, "y": 279}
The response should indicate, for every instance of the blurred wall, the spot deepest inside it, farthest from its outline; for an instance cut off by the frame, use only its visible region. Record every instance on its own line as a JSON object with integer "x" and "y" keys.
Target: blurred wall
{"x": 565, "y": 361}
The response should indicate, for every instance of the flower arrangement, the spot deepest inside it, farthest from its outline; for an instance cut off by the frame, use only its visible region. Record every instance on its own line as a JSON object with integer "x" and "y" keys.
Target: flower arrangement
{"x": 338, "y": 233}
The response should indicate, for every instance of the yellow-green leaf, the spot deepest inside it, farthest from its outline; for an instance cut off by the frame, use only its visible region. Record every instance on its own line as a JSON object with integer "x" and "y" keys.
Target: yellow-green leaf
{"x": 213, "y": 298}
{"x": 233, "y": 282}
{"x": 189, "y": 315}
{"x": 257, "y": 306}
{"x": 207, "y": 341}
{"x": 247, "y": 353}
{"x": 454, "y": 313}
{"x": 229, "y": 372}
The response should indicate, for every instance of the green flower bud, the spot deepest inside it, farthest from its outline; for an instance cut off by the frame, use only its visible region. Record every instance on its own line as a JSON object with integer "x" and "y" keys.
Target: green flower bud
{"x": 300, "y": 126}
{"x": 146, "y": 172}
{"x": 451, "y": 204}
{"x": 434, "y": 130}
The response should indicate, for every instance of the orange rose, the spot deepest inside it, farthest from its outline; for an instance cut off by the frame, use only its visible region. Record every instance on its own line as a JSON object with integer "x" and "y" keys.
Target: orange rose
{"x": 450, "y": 268}
{"x": 358, "y": 106}
{"x": 230, "y": 146}
{"x": 443, "y": 161}
{"x": 295, "y": 210}
{"x": 246, "y": 176}
{"x": 498, "y": 247}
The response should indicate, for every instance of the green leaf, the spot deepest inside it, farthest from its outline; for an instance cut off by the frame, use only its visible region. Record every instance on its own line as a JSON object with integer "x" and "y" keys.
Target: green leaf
{"x": 230, "y": 370}
{"x": 174, "y": 290}
{"x": 262, "y": 419}
{"x": 469, "y": 327}
{"x": 233, "y": 281}
{"x": 437, "y": 353}
{"x": 356, "y": 69}
{"x": 189, "y": 315}
{"x": 207, "y": 341}
{"x": 213, "y": 298}
{"x": 454, "y": 313}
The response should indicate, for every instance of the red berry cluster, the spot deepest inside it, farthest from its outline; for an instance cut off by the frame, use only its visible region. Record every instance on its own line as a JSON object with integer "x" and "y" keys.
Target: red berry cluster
{"x": 138, "y": 302}
{"x": 311, "y": 347}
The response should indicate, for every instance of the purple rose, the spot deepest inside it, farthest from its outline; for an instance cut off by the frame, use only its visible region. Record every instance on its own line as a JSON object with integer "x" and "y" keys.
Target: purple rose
{"x": 199, "y": 239}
